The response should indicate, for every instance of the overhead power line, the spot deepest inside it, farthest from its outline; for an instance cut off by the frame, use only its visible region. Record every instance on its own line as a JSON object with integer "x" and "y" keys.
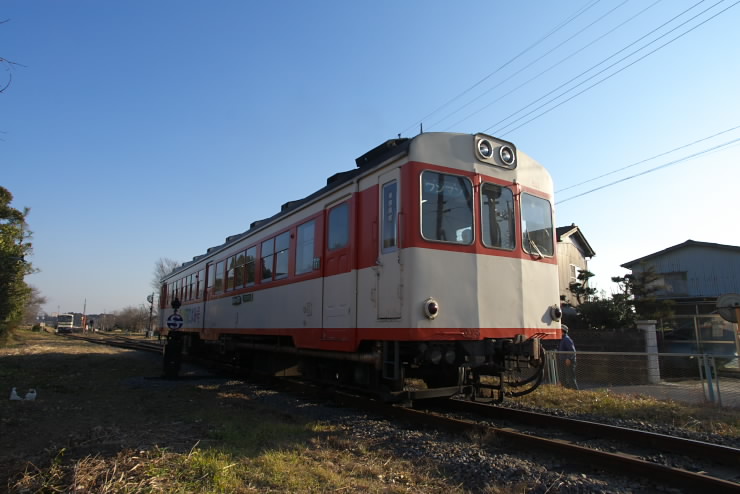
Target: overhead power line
{"x": 548, "y": 69}
{"x": 558, "y": 27}
{"x": 501, "y": 130}
{"x": 665, "y": 165}
{"x": 648, "y": 159}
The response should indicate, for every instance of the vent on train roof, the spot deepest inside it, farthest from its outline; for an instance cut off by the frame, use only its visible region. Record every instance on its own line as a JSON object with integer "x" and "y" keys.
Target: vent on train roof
{"x": 256, "y": 224}
{"x": 338, "y": 177}
{"x": 381, "y": 153}
{"x": 288, "y": 205}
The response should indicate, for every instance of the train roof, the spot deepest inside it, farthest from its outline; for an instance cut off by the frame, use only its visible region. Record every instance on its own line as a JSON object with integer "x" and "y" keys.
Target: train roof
{"x": 371, "y": 159}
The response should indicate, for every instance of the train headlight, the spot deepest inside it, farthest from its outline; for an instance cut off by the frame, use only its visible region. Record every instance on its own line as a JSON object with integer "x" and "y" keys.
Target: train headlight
{"x": 485, "y": 148}
{"x": 507, "y": 155}
{"x": 431, "y": 308}
{"x": 494, "y": 151}
{"x": 556, "y": 313}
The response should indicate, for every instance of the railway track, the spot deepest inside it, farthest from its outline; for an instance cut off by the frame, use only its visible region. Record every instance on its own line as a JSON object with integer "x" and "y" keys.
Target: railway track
{"x": 121, "y": 341}
{"x": 661, "y": 460}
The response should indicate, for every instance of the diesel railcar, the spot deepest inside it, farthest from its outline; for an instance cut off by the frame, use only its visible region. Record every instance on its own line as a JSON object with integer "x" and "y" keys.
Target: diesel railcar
{"x": 427, "y": 270}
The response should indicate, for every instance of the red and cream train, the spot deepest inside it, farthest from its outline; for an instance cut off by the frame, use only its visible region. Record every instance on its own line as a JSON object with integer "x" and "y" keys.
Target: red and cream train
{"x": 427, "y": 267}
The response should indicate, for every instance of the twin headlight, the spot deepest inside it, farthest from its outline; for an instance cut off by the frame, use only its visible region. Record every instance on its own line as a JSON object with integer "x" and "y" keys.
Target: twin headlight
{"x": 495, "y": 151}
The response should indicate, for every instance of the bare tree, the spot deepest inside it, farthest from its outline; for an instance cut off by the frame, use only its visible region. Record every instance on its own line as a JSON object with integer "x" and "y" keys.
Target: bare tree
{"x": 8, "y": 65}
{"x": 33, "y": 306}
{"x": 162, "y": 268}
{"x": 133, "y": 318}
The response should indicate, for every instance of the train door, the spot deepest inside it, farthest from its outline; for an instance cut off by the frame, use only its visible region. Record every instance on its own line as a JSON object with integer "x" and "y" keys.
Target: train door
{"x": 339, "y": 318}
{"x": 389, "y": 259}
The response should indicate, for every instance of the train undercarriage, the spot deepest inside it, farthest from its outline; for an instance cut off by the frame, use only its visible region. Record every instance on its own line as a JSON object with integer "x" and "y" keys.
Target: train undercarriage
{"x": 394, "y": 371}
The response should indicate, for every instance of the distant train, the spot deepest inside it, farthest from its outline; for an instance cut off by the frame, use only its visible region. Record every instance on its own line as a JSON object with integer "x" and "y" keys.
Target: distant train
{"x": 65, "y": 323}
{"x": 428, "y": 270}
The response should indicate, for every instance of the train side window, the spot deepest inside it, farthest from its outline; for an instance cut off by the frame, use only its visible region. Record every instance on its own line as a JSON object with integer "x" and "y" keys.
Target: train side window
{"x": 219, "y": 284}
{"x": 211, "y": 280}
{"x": 339, "y": 226}
{"x": 282, "y": 255}
{"x": 191, "y": 282}
{"x": 200, "y": 283}
{"x": 268, "y": 248}
{"x": 446, "y": 208}
{"x": 497, "y": 217}
{"x": 230, "y": 272}
{"x": 390, "y": 217}
{"x": 251, "y": 259}
{"x": 537, "y": 226}
{"x": 305, "y": 248}
{"x": 239, "y": 269}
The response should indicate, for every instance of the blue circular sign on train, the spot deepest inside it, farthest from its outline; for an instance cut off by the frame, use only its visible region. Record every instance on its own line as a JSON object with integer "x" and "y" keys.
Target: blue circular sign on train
{"x": 174, "y": 321}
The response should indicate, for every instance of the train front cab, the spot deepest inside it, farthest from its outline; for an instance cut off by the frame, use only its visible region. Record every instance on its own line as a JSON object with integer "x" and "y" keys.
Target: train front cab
{"x": 466, "y": 278}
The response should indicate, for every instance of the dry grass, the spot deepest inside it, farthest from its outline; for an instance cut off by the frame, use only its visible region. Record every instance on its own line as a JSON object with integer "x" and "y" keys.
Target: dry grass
{"x": 100, "y": 426}
{"x": 638, "y": 408}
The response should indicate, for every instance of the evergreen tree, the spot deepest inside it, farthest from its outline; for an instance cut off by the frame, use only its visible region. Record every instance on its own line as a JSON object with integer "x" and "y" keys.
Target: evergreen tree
{"x": 641, "y": 288}
{"x": 14, "y": 247}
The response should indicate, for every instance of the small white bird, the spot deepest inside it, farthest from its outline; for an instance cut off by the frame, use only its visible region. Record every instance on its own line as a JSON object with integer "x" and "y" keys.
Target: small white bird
{"x": 31, "y": 395}
{"x": 14, "y": 395}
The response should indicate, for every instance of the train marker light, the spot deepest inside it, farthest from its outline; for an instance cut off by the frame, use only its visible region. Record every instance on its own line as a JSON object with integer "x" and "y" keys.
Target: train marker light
{"x": 556, "y": 313}
{"x": 431, "y": 308}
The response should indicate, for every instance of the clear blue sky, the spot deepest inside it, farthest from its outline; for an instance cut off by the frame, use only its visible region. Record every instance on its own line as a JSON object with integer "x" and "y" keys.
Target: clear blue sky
{"x": 139, "y": 130}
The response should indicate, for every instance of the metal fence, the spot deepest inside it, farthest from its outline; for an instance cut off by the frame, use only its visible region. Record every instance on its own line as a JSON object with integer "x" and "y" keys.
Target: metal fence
{"x": 688, "y": 378}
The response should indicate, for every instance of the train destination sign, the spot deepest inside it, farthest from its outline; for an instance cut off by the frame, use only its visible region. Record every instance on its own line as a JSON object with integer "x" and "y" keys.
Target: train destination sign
{"x": 174, "y": 321}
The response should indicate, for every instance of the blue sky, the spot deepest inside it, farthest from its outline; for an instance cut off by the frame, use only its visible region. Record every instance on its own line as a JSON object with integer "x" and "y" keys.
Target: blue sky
{"x": 139, "y": 130}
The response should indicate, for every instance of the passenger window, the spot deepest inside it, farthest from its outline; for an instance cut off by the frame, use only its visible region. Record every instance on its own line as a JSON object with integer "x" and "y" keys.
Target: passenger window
{"x": 219, "y": 285}
{"x": 339, "y": 227}
{"x": 305, "y": 248}
{"x": 497, "y": 216}
{"x": 268, "y": 248}
{"x": 230, "y": 266}
{"x": 200, "y": 282}
{"x": 282, "y": 255}
{"x": 211, "y": 279}
{"x": 239, "y": 270}
{"x": 446, "y": 208}
{"x": 251, "y": 260}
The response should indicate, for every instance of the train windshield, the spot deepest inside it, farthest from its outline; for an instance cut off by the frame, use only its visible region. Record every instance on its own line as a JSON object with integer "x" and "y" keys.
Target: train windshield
{"x": 536, "y": 226}
{"x": 497, "y": 217}
{"x": 446, "y": 208}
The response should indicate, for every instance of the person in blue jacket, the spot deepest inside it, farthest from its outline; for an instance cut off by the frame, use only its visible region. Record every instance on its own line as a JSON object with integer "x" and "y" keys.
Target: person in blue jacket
{"x": 567, "y": 357}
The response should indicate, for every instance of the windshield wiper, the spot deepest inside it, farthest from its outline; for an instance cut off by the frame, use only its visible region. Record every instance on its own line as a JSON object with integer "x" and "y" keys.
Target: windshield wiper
{"x": 533, "y": 245}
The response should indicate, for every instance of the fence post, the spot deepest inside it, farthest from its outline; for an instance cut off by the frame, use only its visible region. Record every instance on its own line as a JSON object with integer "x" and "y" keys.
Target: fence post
{"x": 651, "y": 348}
{"x": 708, "y": 376}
